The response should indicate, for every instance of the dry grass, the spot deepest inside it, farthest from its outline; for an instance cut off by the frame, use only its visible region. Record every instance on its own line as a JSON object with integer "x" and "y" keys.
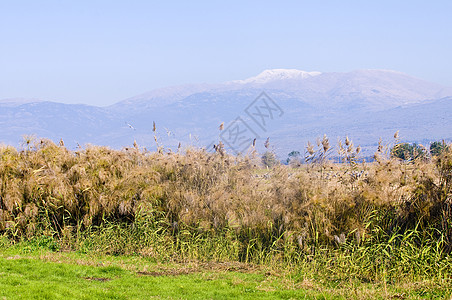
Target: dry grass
{"x": 199, "y": 205}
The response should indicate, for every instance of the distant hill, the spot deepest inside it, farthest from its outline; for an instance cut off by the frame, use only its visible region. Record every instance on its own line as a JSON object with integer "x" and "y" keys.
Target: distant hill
{"x": 301, "y": 106}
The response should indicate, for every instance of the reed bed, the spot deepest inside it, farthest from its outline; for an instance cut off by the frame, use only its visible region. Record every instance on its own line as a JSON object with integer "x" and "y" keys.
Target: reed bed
{"x": 369, "y": 220}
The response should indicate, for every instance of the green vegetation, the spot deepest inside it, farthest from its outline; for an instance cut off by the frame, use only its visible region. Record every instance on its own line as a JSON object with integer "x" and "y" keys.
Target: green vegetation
{"x": 31, "y": 272}
{"x": 407, "y": 151}
{"x": 436, "y": 148}
{"x": 294, "y": 158}
{"x": 354, "y": 226}
{"x": 35, "y": 278}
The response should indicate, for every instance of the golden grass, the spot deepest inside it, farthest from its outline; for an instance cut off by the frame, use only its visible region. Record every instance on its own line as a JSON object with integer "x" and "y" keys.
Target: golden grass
{"x": 47, "y": 189}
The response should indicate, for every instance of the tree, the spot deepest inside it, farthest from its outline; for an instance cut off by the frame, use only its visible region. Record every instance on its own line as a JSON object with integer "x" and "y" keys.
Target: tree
{"x": 436, "y": 148}
{"x": 406, "y": 151}
{"x": 293, "y": 158}
{"x": 269, "y": 159}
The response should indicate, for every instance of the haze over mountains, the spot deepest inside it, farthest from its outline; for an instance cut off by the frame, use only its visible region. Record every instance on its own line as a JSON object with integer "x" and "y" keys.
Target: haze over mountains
{"x": 300, "y": 107}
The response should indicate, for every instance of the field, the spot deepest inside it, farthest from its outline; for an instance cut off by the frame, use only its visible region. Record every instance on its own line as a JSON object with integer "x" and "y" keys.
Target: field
{"x": 103, "y": 223}
{"x": 30, "y": 272}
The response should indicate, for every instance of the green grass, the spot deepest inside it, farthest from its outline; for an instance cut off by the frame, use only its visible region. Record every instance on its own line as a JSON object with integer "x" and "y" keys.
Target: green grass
{"x": 32, "y": 278}
{"x": 30, "y": 273}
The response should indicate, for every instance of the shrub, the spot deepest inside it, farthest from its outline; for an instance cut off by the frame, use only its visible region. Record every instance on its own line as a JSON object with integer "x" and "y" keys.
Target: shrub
{"x": 408, "y": 152}
{"x": 436, "y": 148}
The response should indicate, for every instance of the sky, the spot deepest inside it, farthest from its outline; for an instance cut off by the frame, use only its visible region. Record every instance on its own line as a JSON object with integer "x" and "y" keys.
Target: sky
{"x": 100, "y": 52}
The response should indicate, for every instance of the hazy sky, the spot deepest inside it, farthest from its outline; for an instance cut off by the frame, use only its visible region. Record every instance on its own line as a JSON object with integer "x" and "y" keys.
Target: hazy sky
{"x": 100, "y": 52}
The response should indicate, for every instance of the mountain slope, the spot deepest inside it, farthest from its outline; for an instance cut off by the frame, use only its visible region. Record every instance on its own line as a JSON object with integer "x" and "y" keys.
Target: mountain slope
{"x": 364, "y": 104}
{"x": 74, "y": 123}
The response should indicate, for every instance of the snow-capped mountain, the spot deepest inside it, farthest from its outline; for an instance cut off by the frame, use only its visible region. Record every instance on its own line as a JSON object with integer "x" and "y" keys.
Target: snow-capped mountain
{"x": 363, "y": 104}
{"x": 372, "y": 89}
{"x": 277, "y": 75}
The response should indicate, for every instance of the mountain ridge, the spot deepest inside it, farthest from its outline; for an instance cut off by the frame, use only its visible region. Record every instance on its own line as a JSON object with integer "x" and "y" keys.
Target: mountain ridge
{"x": 365, "y": 104}
{"x": 335, "y": 85}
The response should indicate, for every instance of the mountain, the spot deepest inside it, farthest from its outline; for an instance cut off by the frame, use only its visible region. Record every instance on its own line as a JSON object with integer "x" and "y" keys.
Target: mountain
{"x": 74, "y": 123}
{"x": 373, "y": 88}
{"x": 14, "y": 102}
{"x": 297, "y": 107}
{"x": 268, "y": 76}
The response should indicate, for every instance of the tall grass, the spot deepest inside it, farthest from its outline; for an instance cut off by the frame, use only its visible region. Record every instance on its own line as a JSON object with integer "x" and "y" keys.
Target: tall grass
{"x": 378, "y": 219}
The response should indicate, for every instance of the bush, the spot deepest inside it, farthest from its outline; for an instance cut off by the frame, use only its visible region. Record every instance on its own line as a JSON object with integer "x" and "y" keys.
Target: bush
{"x": 407, "y": 151}
{"x": 436, "y": 148}
{"x": 269, "y": 159}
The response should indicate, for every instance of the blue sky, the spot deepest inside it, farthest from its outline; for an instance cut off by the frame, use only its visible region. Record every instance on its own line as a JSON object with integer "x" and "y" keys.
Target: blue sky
{"x": 100, "y": 52}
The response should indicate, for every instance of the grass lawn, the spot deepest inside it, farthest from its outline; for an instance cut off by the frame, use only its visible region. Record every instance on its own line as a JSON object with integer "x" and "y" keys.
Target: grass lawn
{"x": 39, "y": 278}
{"x": 43, "y": 274}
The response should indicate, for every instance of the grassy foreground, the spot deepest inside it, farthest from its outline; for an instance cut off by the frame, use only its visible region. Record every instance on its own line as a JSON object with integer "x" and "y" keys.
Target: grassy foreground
{"x": 30, "y": 273}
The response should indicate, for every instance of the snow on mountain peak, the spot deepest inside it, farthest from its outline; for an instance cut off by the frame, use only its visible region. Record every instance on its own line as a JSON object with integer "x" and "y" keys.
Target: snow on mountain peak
{"x": 278, "y": 74}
